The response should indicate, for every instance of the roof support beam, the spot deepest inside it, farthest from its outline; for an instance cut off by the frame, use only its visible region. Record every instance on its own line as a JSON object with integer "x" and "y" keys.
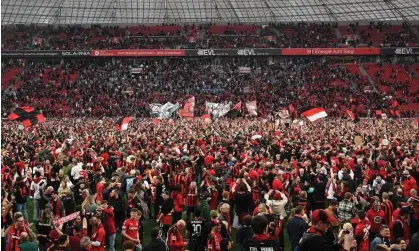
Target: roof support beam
{"x": 329, "y": 11}
{"x": 166, "y": 12}
{"x": 234, "y": 11}
{"x": 274, "y": 18}
{"x": 219, "y": 17}
{"x": 394, "y": 7}
{"x": 57, "y": 13}
{"x": 114, "y": 7}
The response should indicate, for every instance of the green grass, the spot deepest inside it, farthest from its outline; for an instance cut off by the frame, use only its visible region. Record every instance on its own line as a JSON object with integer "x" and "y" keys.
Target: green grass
{"x": 148, "y": 225}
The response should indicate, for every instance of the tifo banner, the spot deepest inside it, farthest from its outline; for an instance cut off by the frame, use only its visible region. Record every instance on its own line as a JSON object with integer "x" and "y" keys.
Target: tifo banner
{"x": 330, "y": 51}
{"x": 155, "y": 109}
{"x": 167, "y": 110}
{"x": 218, "y": 109}
{"x": 163, "y": 111}
{"x": 188, "y": 108}
{"x": 67, "y": 218}
{"x": 139, "y": 53}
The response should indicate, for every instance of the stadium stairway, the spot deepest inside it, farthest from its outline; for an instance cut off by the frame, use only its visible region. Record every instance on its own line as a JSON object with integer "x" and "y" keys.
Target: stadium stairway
{"x": 8, "y": 76}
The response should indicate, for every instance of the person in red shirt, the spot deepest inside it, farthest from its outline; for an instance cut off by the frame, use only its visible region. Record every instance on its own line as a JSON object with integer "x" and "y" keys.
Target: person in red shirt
{"x": 375, "y": 215}
{"x": 215, "y": 238}
{"x": 388, "y": 209}
{"x": 98, "y": 235}
{"x": 174, "y": 237}
{"x": 409, "y": 183}
{"x": 15, "y": 230}
{"x": 131, "y": 226}
{"x": 99, "y": 189}
{"x": 191, "y": 199}
{"x": 109, "y": 223}
{"x": 178, "y": 203}
{"x": 362, "y": 231}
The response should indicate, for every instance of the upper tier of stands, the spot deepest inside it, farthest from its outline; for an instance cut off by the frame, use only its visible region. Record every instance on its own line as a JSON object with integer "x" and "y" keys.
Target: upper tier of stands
{"x": 21, "y": 37}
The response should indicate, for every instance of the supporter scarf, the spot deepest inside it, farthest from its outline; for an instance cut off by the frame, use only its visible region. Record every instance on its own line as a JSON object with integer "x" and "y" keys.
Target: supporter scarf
{"x": 405, "y": 225}
{"x": 217, "y": 240}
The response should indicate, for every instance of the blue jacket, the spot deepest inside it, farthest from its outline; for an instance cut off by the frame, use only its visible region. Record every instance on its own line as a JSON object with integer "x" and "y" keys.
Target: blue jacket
{"x": 295, "y": 229}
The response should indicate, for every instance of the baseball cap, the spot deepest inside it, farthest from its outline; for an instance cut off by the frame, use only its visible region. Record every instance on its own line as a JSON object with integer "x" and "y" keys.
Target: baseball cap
{"x": 323, "y": 216}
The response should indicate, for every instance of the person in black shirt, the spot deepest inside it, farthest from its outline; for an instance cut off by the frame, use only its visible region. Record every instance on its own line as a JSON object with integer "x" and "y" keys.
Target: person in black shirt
{"x": 62, "y": 244}
{"x": 261, "y": 239}
{"x": 244, "y": 232}
{"x": 21, "y": 197}
{"x": 315, "y": 237}
{"x": 44, "y": 227}
{"x": 195, "y": 228}
{"x": 156, "y": 242}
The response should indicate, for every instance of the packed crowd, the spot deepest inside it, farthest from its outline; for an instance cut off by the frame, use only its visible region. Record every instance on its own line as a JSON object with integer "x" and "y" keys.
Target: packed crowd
{"x": 294, "y": 35}
{"x": 102, "y": 88}
{"x": 331, "y": 185}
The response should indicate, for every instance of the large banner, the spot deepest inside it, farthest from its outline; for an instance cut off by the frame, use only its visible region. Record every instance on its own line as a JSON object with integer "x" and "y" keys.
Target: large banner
{"x": 400, "y": 51}
{"x": 250, "y": 52}
{"x": 139, "y": 53}
{"x": 232, "y": 52}
{"x": 330, "y": 51}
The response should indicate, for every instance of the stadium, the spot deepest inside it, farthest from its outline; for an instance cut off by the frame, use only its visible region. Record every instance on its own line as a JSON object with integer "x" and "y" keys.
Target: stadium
{"x": 210, "y": 125}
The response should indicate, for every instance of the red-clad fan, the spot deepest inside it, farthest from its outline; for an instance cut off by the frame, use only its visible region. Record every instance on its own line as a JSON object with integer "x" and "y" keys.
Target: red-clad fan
{"x": 178, "y": 203}
{"x": 109, "y": 220}
{"x": 99, "y": 189}
{"x": 401, "y": 228}
{"x": 388, "y": 209}
{"x": 375, "y": 215}
{"x": 180, "y": 180}
{"x": 191, "y": 199}
{"x": 131, "y": 226}
{"x": 362, "y": 231}
{"x": 57, "y": 205}
{"x": 174, "y": 237}
{"x": 409, "y": 183}
{"x": 98, "y": 234}
{"x": 215, "y": 238}
{"x": 15, "y": 230}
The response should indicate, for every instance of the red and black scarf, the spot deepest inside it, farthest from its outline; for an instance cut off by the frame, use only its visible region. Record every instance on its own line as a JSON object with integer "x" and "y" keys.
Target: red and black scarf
{"x": 56, "y": 208}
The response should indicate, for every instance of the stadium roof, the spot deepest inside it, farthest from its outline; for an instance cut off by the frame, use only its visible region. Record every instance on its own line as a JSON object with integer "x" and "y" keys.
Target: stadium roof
{"x": 203, "y": 11}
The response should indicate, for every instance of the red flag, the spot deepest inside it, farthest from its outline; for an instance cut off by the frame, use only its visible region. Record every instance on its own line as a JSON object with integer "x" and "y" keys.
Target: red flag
{"x": 350, "y": 115}
{"x": 315, "y": 114}
{"x": 395, "y": 104}
{"x": 237, "y": 106}
{"x": 398, "y": 113}
{"x": 122, "y": 123}
{"x": 188, "y": 108}
{"x": 392, "y": 112}
{"x": 378, "y": 112}
{"x": 291, "y": 108}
